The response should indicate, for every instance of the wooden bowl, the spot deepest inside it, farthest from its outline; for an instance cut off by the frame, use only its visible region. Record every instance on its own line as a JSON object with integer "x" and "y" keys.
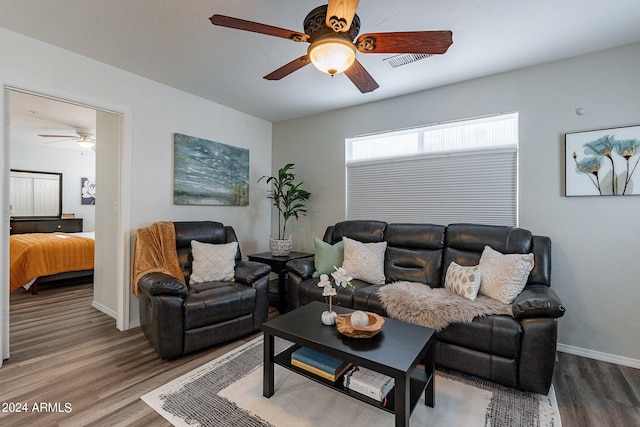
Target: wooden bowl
{"x": 343, "y": 321}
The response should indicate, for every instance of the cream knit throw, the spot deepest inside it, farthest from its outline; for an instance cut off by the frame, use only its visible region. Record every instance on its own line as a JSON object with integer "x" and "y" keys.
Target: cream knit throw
{"x": 419, "y": 304}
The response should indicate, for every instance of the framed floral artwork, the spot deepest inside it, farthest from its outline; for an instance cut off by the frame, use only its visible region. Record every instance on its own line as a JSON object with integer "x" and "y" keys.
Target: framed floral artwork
{"x": 88, "y": 191}
{"x": 603, "y": 162}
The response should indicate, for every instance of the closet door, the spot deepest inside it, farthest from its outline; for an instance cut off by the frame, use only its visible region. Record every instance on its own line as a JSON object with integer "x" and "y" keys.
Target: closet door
{"x": 21, "y": 196}
{"x": 46, "y": 197}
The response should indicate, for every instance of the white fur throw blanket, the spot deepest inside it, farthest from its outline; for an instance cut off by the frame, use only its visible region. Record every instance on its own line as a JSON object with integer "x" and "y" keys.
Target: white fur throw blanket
{"x": 419, "y": 304}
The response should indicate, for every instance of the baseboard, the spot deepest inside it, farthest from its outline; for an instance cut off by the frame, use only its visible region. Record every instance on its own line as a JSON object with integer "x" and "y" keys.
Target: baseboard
{"x": 112, "y": 313}
{"x": 104, "y": 309}
{"x": 605, "y": 357}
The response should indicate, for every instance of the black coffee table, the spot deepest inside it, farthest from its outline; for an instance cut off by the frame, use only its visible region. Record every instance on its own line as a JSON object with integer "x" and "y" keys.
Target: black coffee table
{"x": 395, "y": 351}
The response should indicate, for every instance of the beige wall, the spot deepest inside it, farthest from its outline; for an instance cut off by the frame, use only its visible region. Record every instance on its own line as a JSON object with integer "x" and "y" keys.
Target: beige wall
{"x": 595, "y": 240}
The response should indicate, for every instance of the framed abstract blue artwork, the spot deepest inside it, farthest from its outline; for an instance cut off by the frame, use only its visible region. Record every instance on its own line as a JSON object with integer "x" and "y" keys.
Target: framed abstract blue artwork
{"x": 603, "y": 162}
{"x": 209, "y": 173}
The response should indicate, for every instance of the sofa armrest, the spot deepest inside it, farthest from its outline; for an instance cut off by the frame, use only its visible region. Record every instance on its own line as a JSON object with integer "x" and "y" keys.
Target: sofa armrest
{"x": 537, "y": 301}
{"x": 303, "y": 268}
{"x": 250, "y": 272}
{"x": 156, "y": 284}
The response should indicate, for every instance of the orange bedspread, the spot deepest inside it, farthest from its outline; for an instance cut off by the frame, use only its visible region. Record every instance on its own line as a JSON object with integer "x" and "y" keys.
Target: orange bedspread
{"x": 43, "y": 254}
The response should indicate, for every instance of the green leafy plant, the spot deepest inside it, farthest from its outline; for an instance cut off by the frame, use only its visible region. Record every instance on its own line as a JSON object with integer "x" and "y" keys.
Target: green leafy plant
{"x": 287, "y": 196}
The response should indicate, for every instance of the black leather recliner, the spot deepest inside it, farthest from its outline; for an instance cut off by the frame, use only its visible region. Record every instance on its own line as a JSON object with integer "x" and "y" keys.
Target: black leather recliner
{"x": 516, "y": 351}
{"x": 178, "y": 318}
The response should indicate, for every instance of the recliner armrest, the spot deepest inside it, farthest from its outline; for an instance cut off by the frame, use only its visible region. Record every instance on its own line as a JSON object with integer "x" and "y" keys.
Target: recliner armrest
{"x": 249, "y": 272}
{"x": 157, "y": 283}
{"x": 537, "y": 301}
{"x": 302, "y": 268}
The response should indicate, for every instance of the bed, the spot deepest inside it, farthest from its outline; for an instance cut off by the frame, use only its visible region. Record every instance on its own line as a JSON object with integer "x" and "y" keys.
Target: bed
{"x": 44, "y": 257}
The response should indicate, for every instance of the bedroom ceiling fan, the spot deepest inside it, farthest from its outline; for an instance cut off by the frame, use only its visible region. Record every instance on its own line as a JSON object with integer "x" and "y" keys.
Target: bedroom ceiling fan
{"x": 331, "y": 31}
{"x": 83, "y": 138}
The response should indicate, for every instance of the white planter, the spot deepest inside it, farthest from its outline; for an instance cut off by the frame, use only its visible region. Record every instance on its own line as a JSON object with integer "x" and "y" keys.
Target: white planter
{"x": 280, "y": 247}
{"x": 329, "y": 318}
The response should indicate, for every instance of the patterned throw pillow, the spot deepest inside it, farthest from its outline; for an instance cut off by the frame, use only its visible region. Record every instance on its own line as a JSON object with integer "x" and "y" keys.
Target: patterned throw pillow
{"x": 364, "y": 261}
{"x": 213, "y": 263}
{"x": 327, "y": 256}
{"x": 504, "y": 276}
{"x": 464, "y": 281}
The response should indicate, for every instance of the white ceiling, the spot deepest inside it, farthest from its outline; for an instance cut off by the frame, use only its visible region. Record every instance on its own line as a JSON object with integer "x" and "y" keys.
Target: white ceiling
{"x": 33, "y": 115}
{"x": 173, "y": 42}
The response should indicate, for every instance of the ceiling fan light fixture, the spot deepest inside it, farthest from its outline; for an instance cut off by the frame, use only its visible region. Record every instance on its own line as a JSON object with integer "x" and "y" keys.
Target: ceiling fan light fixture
{"x": 86, "y": 142}
{"x": 332, "y": 55}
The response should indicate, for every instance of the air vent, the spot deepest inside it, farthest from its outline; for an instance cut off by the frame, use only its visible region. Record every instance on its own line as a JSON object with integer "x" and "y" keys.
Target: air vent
{"x": 407, "y": 58}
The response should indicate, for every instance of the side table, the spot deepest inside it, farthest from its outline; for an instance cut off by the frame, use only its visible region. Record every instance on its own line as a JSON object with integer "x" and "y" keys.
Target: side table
{"x": 279, "y": 266}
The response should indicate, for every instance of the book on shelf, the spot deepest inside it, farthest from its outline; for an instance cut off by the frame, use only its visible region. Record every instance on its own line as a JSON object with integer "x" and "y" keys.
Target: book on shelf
{"x": 368, "y": 382}
{"x": 319, "y": 363}
{"x": 319, "y": 372}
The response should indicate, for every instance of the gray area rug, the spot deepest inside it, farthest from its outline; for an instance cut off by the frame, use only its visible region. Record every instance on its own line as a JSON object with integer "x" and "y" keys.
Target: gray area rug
{"x": 228, "y": 392}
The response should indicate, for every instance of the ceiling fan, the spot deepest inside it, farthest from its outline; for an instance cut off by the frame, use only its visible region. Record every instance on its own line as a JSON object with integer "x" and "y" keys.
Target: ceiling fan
{"x": 84, "y": 139}
{"x": 331, "y": 31}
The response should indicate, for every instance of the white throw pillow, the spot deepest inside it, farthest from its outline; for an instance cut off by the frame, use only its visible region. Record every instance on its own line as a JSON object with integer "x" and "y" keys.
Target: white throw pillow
{"x": 364, "y": 261}
{"x": 504, "y": 276}
{"x": 213, "y": 262}
{"x": 464, "y": 281}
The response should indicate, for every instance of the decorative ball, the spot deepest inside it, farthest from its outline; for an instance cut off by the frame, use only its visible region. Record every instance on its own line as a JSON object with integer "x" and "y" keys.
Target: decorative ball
{"x": 359, "y": 318}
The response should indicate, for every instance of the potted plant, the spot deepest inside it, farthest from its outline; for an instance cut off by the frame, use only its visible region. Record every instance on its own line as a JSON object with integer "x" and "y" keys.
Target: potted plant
{"x": 289, "y": 199}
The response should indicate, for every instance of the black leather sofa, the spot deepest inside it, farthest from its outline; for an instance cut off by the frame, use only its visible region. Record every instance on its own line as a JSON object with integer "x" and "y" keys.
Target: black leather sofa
{"x": 516, "y": 351}
{"x": 178, "y": 318}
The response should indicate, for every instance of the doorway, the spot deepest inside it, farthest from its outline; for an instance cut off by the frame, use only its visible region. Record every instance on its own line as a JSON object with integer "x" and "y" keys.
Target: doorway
{"x": 111, "y": 251}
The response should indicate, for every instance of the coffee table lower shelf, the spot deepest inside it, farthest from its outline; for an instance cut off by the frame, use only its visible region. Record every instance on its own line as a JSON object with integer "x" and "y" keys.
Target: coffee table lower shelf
{"x": 419, "y": 381}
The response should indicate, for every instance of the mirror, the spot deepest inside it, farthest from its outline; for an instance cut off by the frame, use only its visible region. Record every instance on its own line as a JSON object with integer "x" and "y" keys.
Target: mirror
{"x": 35, "y": 194}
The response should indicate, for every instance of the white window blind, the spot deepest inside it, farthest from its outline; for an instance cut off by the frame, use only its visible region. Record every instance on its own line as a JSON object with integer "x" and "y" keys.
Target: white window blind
{"x": 459, "y": 175}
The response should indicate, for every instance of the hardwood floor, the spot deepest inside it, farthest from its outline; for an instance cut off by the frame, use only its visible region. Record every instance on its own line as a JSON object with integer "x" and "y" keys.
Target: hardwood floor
{"x": 69, "y": 361}
{"x": 595, "y": 393}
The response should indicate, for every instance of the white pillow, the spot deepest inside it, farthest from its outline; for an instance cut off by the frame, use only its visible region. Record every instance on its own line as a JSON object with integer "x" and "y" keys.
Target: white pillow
{"x": 464, "y": 281}
{"x": 213, "y": 262}
{"x": 364, "y": 261}
{"x": 504, "y": 276}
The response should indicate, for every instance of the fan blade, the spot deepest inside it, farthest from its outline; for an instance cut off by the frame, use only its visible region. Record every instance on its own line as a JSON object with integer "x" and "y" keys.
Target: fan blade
{"x": 61, "y": 140}
{"x": 361, "y": 78}
{"x": 58, "y": 136}
{"x": 289, "y": 68}
{"x": 340, "y": 14}
{"x": 433, "y": 42}
{"x": 241, "y": 24}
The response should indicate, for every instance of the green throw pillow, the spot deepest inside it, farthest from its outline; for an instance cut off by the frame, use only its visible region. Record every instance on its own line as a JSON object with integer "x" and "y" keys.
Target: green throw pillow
{"x": 327, "y": 256}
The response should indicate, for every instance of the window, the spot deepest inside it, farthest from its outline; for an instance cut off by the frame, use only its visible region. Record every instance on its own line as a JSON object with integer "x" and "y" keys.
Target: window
{"x": 462, "y": 171}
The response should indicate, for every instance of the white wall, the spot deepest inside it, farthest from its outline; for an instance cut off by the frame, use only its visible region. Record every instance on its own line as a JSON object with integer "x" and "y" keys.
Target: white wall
{"x": 73, "y": 164}
{"x": 595, "y": 263}
{"x": 152, "y": 113}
